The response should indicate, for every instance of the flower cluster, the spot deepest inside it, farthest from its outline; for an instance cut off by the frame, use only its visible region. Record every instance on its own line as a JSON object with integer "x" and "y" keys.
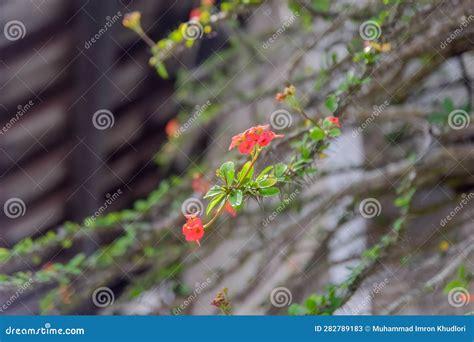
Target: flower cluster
{"x": 132, "y": 20}
{"x": 289, "y": 91}
{"x": 258, "y": 135}
{"x": 222, "y": 302}
{"x": 334, "y": 120}
{"x": 193, "y": 229}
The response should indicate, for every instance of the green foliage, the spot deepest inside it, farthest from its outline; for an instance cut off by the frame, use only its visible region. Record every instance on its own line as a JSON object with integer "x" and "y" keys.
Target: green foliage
{"x": 440, "y": 118}
{"x": 461, "y": 280}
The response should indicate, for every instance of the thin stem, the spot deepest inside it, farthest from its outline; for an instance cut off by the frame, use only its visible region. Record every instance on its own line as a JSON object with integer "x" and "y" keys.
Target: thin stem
{"x": 302, "y": 112}
{"x": 145, "y": 38}
{"x": 216, "y": 215}
{"x": 254, "y": 159}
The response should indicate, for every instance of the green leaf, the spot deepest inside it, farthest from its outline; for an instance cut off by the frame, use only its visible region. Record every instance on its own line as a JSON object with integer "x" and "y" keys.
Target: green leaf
{"x": 264, "y": 172}
{"x": 67, "y": 243}
{"x": 321, "y": 5}
{"x": 404, "y": 200}
{"x": 219, "y": 199}
{"x": 297, "y": 310}
{"x": 214, "y": 191}
{"x": 247, "y": 172}
{"x": 268, "y": 192}
{"x": 453, "y": 284}
{"x": 228, "y": 170}
{"x": 334, "y": 132}
{"x": 398, "y": 224}
{"x": 4, "y": 254}
{"x": 235, "y": 198}
{"x": 267, "y": 182}
{"x": 161, "y": 69}
{"x": 331, "y": 103}
{"x": 280, "y": 169}
{"x": 317, "y": 134}
{"x": 462, "y": 272}
{"x": 310, "y": 303}
{"x": 448, "y": 105}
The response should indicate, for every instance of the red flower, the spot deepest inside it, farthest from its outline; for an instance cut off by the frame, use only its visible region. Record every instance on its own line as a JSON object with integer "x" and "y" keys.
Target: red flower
{"x": 193, "y": 229}
{"x": 236, "y": 140}
{"x": 266, "y": 137}
{"x": 172, "y": 128}
{"x": 334, "y": 121}
{"x": 280, "y": 97}
{"x": 230, "y": 209}
{"x": 246, "y": 146}
{"x": 258, "y": 135}
{"x": 195, "y": 14}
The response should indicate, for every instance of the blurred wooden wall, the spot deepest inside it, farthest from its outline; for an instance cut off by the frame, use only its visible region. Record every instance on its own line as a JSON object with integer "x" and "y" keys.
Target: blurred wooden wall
{"x": 52, "y": 157}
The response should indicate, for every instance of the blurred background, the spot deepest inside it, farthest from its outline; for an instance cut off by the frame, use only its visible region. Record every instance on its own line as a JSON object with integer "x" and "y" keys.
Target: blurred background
{"x": 87, "y": 129}
{"x": 70, "y": 60}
